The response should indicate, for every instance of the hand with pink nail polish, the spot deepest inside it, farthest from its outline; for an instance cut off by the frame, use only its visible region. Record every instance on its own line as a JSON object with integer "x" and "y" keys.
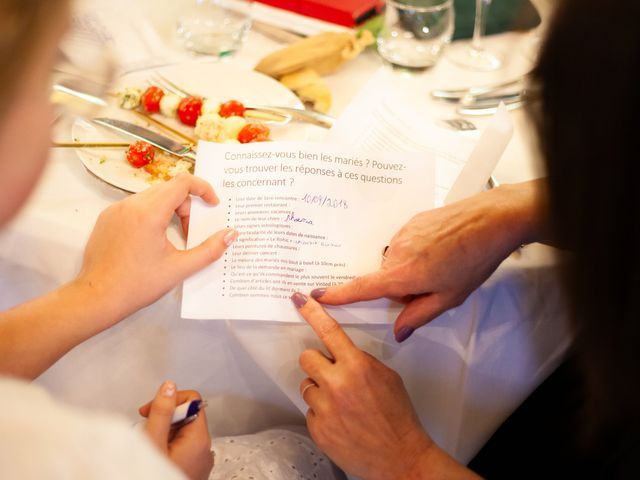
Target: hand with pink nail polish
{"x": 190, "y": 446}
{"x": 360, "y": 413}
{"x": 441, "y": 256}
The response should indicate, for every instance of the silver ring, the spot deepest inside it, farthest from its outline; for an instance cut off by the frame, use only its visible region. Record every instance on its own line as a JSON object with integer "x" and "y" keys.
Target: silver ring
{"x": 307, "y": 387}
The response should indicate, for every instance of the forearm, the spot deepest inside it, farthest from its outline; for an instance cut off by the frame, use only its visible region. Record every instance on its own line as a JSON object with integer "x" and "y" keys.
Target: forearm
{"x": 34, "y": 335}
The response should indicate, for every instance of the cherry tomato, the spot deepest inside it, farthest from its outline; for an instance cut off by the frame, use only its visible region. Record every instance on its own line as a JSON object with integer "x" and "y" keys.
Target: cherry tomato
{"x": 254, "y": 132}
{"x": 232, "y": 108}
{"x": 150, "y": 99}
{"x": 189, "y": 110}
{"x": 140, "y": 154}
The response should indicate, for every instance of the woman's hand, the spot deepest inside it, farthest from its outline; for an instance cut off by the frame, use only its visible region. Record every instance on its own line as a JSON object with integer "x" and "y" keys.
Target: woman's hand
{"x": 129, "y": 259}
{"x": 359, "y": 413}
{"x": 440, "y": 256}
{"x": 190, "y": 446}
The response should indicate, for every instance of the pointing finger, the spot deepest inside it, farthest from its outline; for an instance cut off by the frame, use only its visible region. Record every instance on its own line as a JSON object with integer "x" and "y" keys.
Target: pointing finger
{"x": 326, "y": 327}
{"x": 367, "y": 287}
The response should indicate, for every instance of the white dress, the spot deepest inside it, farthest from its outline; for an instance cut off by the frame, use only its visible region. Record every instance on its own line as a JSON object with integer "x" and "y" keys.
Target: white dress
{"x": 41, "y": 438}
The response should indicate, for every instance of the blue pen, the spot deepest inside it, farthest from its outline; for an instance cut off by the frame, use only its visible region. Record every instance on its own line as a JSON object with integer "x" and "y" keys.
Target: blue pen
{"x": 184, "y": 413}
{"x": 187, "y": 412}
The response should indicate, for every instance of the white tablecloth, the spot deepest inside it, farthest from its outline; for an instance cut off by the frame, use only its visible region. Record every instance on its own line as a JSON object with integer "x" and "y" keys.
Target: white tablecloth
{"x": 465, "y": 372}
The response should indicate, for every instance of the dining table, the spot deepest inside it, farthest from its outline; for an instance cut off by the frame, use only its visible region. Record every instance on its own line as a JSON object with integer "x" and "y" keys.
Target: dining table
{"x": 466, "y": 371}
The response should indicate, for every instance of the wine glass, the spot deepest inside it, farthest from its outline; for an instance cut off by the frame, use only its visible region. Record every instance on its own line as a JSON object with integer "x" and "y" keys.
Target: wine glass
{"x": 476, "y": 56}
{"x": 545, "y": 10}
{"x": 83, "y": 74}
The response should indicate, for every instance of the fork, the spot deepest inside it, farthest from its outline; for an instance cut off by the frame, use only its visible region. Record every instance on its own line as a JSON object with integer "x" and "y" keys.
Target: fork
{"x": 285, "y": 114}
{"x": 455, "y": 95}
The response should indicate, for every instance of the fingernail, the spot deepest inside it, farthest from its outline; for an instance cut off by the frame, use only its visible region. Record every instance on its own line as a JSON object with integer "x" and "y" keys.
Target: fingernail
{"x": 230, "y": 237}
{"x": 299, "y": 300}
{"x": 318, "y": 292}
{"x": 168, "y": 389}
{"x": 403, "y": 334}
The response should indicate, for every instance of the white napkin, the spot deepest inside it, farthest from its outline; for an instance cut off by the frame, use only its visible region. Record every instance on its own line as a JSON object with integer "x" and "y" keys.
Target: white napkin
{"x": 484, "y": 157}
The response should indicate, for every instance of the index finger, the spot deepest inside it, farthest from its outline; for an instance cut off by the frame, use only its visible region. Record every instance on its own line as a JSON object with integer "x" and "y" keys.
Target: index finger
{"x": 367, "y": 287}
{"x": 326, "y": 327}
{"x": 173, "y": 193}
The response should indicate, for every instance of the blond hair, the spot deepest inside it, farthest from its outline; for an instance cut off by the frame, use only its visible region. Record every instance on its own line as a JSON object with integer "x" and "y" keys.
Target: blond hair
{"x": 22, "y": 24}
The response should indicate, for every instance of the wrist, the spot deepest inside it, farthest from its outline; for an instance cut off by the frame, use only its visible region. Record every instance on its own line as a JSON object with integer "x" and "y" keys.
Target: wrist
{"x": 522, "y": 209}
{"x": 98, "y": 309}
{"x": 434, "y": 463}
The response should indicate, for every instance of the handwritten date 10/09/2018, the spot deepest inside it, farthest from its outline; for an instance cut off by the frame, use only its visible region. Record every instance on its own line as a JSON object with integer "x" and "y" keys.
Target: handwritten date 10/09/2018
{"x": 318, "y": 200}
{"x": 324, "y": 201}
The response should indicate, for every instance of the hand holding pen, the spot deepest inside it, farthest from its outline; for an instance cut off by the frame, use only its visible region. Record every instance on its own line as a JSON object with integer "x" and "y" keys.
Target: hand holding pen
{"x": 184, "y": 438}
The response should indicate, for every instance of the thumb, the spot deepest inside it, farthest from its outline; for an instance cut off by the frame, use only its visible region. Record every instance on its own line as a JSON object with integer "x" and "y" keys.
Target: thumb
{"x": 161, "y": 411}
{"x": 196, "y": 258}
{"x": 418, "y": 312}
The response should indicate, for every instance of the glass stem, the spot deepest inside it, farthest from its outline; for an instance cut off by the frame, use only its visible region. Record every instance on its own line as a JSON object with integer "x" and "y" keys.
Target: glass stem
{"x": 480, "y": 23}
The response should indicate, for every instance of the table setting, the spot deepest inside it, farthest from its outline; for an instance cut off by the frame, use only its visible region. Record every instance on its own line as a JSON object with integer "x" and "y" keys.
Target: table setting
{"x": 468, "y": 369}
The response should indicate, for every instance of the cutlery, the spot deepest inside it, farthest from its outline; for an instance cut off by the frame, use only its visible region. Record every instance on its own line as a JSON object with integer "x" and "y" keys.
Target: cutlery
{"x": 287, "y": 113}
{"x": 276, "y": 33}
{"x": 71, "y": 91}
{"x": 456, "y": 95}
{"x": 131, "y": 130}
{"x": 164, "y": 126}
{"x": 489, "y": 108}
{"x": 492, "y": 100}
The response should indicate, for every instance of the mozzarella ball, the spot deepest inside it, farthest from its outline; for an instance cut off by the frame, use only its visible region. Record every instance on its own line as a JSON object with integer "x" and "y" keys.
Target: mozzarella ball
{"x": 210, "y": 105}
{"x": 169, "y": 105}
{"x": 231, "y": 127}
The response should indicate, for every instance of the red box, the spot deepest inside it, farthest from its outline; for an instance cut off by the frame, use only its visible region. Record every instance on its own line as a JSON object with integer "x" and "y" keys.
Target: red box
{"x": 343, "y": 12}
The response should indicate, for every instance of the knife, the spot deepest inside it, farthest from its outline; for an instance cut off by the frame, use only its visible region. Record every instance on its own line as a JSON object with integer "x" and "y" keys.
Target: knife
{"x": 131, "y": 130}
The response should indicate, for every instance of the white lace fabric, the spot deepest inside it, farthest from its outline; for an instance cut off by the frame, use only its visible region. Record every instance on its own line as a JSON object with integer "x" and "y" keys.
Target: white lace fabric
{"x": 278, "y": 454}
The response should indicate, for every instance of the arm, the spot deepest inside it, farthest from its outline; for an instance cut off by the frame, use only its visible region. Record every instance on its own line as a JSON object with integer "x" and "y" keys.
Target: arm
{"x": 36, "y": 334}
{"x": 360, "y": 413}
{"x": 440, "y": 256}
{"x": 128, "y": 264}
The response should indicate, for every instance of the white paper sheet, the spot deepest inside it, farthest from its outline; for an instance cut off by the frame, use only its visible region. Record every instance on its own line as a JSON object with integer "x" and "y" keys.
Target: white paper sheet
{"x": 309, "y": 215}
{"x": 484, "y": 158}
{"x": 379, "y": 119}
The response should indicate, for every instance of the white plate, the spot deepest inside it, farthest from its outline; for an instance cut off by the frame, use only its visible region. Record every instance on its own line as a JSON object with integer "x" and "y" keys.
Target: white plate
{"x": 220, "y": 81}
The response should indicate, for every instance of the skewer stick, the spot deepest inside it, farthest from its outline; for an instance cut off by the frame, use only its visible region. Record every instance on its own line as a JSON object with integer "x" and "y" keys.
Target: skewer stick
{"x": 89, "y": 145}
{"x": 190, "y": 140}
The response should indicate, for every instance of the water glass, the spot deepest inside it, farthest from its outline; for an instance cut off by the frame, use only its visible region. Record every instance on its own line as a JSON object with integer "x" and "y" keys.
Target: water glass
{"x": 415, "y": 32}
{"x": 214, "y": 27}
